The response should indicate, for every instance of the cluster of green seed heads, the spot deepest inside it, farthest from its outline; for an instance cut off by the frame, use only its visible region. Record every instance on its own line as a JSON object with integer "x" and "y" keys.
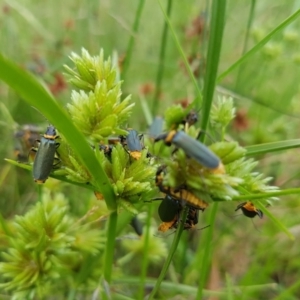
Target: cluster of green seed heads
{"x": 45, "y": 244}
{"x": 89, "y": 70}
{"x": 235, "y": 176}
{"x": 132, "y": 180}
{"x": 48, "y": 241}
{"x": 99, "y": 113}
{"x": 97, "y": 109}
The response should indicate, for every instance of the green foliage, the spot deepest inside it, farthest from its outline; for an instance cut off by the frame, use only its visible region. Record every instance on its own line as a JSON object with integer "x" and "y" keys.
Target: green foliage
{"x": 157, "y": 248}
{"x": 130, "y": 178}
{"x": 97, "y": 109}
{"x": 221, "y": 185}
{"x": 91, "y": 70}
{"x": 223, "y": 112}
{"x": 259, "y": 69}
{"x": 99, "y": 114}
{"x": 129, "y": 187}
{"x": 46, "y": 247}
{"x": 77, "y": 173}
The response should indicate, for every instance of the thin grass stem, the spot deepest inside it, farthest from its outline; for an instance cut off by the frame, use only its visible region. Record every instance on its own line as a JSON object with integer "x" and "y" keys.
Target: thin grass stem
{"x": 213, "y": 56}
{"x": 161, "y": 62}
{"x": 145, "y": 260}
{"x": 206, "y": 258}
{"x": 130, "y": 46}
{"x": 110, "y": 246}
{"x": 171, "y": 254}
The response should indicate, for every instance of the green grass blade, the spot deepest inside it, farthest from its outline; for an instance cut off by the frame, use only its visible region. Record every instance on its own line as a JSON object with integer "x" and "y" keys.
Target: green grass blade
{"x": 266, "y": 195}
{"x": 180, "y": 50}
{"x": 146, "y": 110}
{"x": 132, "y": 37}
{"x": 272, "y": 147}
{"x": 122, "y": 297}
{"x": 260, "y": 44}
{"x": 229, "y": 287}
{"x": 206, "y": 257}
{"x": 267, "y": 213}
{"x": 161, "y": 65}
{"x": 275, "y": 220}
{"x": 54, "y": 174}
{"x": 189, "y": 290}
{"x": 269, "y": 105}
{"x": 287, "y": 293}
{"x": 170, "y": 255}
{"x": 145, "y": 259}
{"x": 31, "y": 19}
{"x": 110, "y": 246}
{"x": 246, "y": 39}
{"x": 36, "y": 95}
{"x": 249, "y": 24}
{"x": 213, "y": 56}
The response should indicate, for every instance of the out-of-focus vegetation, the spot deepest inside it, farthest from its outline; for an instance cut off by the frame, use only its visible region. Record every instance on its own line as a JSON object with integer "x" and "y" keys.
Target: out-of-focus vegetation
{"x": 250, "y": 259}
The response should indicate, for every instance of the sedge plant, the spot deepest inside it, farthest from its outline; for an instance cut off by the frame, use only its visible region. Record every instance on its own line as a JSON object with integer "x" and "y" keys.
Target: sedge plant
{"x": 96, "y": 110}
{"x": 94, "y": 113}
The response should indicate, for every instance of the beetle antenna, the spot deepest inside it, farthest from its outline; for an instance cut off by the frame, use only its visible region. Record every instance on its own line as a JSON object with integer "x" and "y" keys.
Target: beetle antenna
{"x": 255, "y": 226}
{"x": 203, "y": 227}
{"x": 164, "y": 235}
{"x": 40, "y": 114}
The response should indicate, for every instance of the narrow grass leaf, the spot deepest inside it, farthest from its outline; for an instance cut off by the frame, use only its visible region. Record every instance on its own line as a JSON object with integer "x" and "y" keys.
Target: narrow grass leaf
{"x": 31, "y": 19}
{"x": 206, "y": 257}
{"x": 272, "y": 147}
{"x": 213, "y": 56}
{"x": 161, "y": 62}
{"x": 275, "y": 220}
{"x": 180, "y": 50}
{"x": 260, "y": 44}
{"x": 135, "y": 28}
{"x": 36, "y": 95}
{"x": 170, "y": 254}
{"x": 268, "y": 213}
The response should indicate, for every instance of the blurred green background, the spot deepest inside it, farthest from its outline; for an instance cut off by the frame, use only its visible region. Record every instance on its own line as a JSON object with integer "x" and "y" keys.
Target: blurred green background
{"x": 252, "y": 258}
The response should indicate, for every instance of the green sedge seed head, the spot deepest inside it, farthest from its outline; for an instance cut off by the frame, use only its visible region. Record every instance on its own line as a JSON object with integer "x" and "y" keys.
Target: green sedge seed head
{"x": 291, "y": 36}
{"x": 174, "y": 116}
{"x": 127, "y": 206}
{"x": 100, "y": 113}
{"x": 272, "y": 50}
{"x": 88, "y": 70}
{"x": 156, "y": 249}
{"x": 228, "y": 151}
{"x": 232, "y": 178}
{"x": 223, "y": 112}
{"x": 97, "y": 109}
{"x": 131, "y": 179}
{"x": 42, "y": 243}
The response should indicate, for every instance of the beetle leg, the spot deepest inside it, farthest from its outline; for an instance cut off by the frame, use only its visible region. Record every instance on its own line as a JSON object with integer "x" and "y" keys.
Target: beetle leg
{"x": 56, "y": 164}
